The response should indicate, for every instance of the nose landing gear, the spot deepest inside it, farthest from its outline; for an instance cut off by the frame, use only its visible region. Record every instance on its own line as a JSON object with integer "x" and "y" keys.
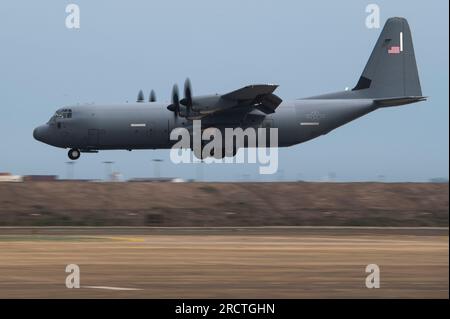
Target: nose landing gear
{"x": 74, "y": 154}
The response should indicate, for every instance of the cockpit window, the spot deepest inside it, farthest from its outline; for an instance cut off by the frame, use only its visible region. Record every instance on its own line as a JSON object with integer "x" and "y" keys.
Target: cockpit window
{"x": 66, "y": 113}
{"x": 61, "y": 114}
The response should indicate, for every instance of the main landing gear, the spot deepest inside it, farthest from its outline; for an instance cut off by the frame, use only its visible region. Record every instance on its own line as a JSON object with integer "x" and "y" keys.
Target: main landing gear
{"x": 74, "y": 154}
{"x": 198, "y": 153}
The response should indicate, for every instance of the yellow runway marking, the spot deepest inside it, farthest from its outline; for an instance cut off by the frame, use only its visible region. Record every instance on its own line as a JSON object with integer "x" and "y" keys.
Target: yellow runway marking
{"x": 129, "y": 239}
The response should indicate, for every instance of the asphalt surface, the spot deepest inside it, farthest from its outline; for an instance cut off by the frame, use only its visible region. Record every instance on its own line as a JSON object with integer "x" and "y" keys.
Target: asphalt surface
{"x": 224, "y": 262}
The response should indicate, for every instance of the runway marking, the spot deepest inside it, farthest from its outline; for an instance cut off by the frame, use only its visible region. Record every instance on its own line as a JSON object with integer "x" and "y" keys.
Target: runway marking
{"x": 129, "y": 239}
{"x": 111, "y": 288}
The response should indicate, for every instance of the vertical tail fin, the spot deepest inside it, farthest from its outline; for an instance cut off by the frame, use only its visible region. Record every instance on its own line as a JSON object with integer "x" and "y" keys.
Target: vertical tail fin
{"x": 391, "y": 70}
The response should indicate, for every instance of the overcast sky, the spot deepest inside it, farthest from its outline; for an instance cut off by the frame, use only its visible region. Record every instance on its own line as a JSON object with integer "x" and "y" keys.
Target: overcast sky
{"x": 307, "y": 48}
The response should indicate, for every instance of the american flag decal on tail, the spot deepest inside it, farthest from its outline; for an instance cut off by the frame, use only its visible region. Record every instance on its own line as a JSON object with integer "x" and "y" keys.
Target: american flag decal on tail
{"x": 394, "y": 50}
{"x": 397, "y": 49}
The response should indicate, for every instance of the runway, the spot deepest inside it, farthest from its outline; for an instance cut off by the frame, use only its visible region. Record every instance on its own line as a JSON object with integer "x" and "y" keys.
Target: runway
{"x": 224, "y": 262}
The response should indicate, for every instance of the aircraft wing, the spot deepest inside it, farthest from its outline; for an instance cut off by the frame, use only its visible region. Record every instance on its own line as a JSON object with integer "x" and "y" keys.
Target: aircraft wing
{"x": 259, "y": 96}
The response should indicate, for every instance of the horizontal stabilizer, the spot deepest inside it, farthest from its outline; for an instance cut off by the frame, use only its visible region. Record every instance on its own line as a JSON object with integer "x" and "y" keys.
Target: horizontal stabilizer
{"x": 396, "y": 101}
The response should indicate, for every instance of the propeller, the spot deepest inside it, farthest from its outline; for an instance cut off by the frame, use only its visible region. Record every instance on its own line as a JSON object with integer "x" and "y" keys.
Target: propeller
{"x": 152, "y": 96}
{"x": 186, "y": 101}
{"x": 175, "y": 106}
{"x": 140, "y": 97}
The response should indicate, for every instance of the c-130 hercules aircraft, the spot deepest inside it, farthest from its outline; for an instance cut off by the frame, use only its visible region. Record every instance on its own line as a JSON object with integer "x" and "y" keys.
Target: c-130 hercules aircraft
{"x": 390, "y": 78}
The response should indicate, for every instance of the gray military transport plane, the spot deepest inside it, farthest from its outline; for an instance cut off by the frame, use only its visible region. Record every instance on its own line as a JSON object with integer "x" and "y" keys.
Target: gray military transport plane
{"x": 390, "y": 78}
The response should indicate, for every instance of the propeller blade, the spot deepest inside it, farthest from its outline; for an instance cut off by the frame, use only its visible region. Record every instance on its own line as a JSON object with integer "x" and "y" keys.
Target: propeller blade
{"x": 152, "y": 96}
{"x": 175, "y": 95}
{"x": 188, "y": 91}
{"x": 175, "y": 106}
{"x": 140, "y": 97}
{"x": 187, "y": 100}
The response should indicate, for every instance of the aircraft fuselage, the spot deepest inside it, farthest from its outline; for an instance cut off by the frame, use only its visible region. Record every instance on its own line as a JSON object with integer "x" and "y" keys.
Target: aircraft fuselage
{"x": 148, "y": 125}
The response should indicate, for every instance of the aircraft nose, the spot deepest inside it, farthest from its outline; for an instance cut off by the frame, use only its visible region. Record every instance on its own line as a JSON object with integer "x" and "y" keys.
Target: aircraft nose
{"x": 39, "y": 133}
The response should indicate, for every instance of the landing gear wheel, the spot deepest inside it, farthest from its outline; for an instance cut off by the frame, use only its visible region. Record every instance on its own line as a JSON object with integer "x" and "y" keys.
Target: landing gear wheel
{"x": 74, "y": 154}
